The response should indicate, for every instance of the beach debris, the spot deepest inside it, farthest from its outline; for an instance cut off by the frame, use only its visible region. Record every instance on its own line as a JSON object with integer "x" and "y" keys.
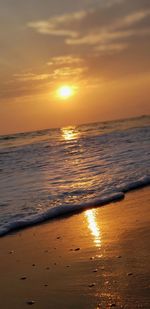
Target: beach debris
{"x": 33, "y": 264}
{"x": 92, "y": 258}
{"x": 119, "y": 256}
{"x": 91, "y": 285}
{"x": 23, "y": 278}
{"x": 130, "y": 274}
{"x": 67, "y": 265}
{"x": 30, "y": 302}
{"x": 77, "y": 249}
{"x": 11, "y": 252}
{"x": 95, "y": 270}
{"x": 58, "y": 237}
{"x": 45, "y": 285}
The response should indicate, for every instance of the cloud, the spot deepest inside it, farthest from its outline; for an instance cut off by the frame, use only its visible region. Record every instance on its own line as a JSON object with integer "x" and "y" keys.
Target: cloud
{"x": 134, "y": 18}
{"x": 65, "y": 60}
{"x": 104, "y": 28}
{"x": 116, "y": 31}
{"x": 106, "y": 41}
{"x": 25, "y": 84}
{"x": 66, "y": 67}
{"x": 57, "y": 70}
{"x": 103, "y": 37}
{"x": 67, "y": 73}
{"x": 31, "y": 77}
{"x": 59, "y": 25}
{"x": 18, "y": 87}
{"x": 111, "y": 48}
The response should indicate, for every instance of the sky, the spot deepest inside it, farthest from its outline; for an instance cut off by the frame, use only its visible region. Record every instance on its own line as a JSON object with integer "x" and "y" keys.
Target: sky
{"x": 100, "y": 48}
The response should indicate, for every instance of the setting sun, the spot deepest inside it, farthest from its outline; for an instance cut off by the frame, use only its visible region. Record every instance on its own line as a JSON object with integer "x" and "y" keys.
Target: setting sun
{"x": 65, "y": 92}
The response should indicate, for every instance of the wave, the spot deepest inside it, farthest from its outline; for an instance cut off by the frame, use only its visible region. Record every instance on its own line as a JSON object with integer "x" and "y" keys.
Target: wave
{"x": 142, "y": 182}
{"x": 63, "y": 210}
{"x": 7, "y": 137}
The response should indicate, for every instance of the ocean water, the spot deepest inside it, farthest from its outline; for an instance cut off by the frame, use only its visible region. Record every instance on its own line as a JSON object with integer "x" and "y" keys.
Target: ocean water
{"x": 53, "y": 172}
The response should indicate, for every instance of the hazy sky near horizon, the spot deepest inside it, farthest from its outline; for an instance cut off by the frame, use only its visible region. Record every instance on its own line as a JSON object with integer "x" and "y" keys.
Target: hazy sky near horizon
{"x": 100, "y": 47}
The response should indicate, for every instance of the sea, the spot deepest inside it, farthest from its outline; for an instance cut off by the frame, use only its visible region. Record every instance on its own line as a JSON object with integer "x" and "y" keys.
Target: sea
{"x": 55, "y": 172}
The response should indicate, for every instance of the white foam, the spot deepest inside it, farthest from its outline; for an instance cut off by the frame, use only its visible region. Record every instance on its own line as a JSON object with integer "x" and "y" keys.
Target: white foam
{"x": 63, "y": 210}
{"x": 59, "y": 211}
{"x": 139, "y": 183}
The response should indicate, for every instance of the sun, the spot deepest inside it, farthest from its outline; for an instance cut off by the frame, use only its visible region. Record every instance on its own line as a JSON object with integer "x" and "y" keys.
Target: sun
{"x": 65, "y": 92}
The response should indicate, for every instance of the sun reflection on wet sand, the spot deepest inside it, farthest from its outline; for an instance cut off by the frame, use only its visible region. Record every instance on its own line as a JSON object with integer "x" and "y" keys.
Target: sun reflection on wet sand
{"x": 93, "y": 226}
{"x": 70, "y": 133}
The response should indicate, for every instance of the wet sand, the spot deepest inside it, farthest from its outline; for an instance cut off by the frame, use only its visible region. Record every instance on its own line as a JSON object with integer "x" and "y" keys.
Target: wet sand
{"x": 96, "y": 259}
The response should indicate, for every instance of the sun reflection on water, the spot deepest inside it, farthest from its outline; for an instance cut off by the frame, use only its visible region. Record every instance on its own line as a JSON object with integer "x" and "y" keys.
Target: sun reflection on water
{"x": 70, "y": 133}
{"x": 93, "y": 226}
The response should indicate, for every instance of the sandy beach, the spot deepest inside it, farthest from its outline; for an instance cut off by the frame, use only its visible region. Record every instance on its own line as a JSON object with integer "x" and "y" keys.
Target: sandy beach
{"x": 96, "y": 259}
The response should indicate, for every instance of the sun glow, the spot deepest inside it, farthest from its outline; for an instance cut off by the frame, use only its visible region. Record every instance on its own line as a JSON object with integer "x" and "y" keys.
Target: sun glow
{"x": 65, "y": 92}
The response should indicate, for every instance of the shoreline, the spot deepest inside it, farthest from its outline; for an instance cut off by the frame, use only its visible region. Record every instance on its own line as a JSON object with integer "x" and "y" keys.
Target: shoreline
{"x": 95, "y": 259}
{"x": 64, "y": 211}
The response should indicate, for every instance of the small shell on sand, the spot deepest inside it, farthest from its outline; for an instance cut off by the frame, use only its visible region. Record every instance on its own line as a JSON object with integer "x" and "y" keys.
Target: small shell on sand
{"x": 11, "y": 252}
{"x": 130, "y": 274}
{"x": 91, "y": 285}
{"x": 30, "y": 302}
{"x": 95, "y": 270}
{"x": 23, "y": 278}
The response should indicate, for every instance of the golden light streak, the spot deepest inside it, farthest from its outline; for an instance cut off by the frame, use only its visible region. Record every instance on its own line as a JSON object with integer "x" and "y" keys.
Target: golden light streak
{"x": 69, "y": 133}
{"x": 93, "y": 226}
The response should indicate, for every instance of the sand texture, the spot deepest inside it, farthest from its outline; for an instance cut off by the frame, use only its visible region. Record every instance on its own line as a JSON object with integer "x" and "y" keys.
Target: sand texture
{"x": 99, "y": 258}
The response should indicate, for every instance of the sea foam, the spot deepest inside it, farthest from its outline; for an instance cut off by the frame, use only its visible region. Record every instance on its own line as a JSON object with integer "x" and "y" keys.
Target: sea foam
{"x": 61, "y": 211}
